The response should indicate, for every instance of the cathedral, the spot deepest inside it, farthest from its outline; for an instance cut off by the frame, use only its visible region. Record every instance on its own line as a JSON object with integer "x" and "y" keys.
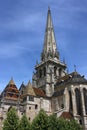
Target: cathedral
{"x": 52, "y": 89}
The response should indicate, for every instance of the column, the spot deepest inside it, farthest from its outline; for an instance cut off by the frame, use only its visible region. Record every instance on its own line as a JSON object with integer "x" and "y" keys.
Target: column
{"x": 73, "y": 101}
{"x": 82, "y": 101}
{"x": 83, "y": 108}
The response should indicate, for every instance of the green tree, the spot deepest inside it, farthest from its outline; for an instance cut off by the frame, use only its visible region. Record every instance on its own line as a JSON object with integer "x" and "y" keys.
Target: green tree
{"x": 68, "y": 125}
{"x": 53, "y": 122}
{"x": 12, "y": 120}
{"x": 40, "y": 122}
{"x": 74, "y": 125}
{"x": 24, "y": 123}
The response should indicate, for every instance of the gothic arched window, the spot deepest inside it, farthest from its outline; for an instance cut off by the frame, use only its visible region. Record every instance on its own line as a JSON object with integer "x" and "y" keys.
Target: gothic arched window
{"x": 85, "y": 99}
{"x": 70, "y": 101}
{"x": 78, "y": 101}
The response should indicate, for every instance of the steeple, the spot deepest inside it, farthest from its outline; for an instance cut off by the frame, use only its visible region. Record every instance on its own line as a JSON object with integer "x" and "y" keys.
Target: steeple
{"x": 50, "y": 47}
{"x": 50, "y": 68}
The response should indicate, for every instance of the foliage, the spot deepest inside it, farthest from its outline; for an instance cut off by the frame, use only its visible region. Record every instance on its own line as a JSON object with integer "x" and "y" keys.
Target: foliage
{"x": 74, "y": 125}
{"x": 12, "y": 120}
{"x": 53, "y": 122}
{"x": 40, "y": 122}
{"x": 24, "y": 123}
{"x": 68, "y": 125}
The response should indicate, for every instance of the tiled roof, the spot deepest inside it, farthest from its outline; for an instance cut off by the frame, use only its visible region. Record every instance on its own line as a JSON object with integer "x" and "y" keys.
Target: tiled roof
{"x": 29, "y": 89}
{"x": 11, "y": 98}
{"x": 11, "y": 81}
{"x": 73, "y": 77}
{"x": 66, "y": 115}
{"x": 10, "y": 91}
{"x": 39, "y": 92}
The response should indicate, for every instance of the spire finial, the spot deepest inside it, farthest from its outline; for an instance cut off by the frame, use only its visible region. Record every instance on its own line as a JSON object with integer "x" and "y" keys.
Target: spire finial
{"x": 67, "y": 70}
{"x": 75, "y": 68}
{"x": 36, "y": 62}
{"x": 11, "y": 77}
{"x": 48, "y": 7}
{"x": 22, "y": 82}
{"x": 11, "y": 81}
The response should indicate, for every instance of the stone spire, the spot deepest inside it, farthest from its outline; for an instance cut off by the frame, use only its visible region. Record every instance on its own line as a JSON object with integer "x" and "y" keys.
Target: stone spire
{"x": 50, "y": 48}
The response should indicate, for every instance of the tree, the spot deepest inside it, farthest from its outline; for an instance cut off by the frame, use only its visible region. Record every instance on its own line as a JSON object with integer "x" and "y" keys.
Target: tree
{"x": 24, "y": 123}
{"x": 12, "y": 120}
{"x": 74, "y": 125}
{"x": 68, "y": 125}
{"x": 40, "y": 122}
{"x": 53, "y": 122}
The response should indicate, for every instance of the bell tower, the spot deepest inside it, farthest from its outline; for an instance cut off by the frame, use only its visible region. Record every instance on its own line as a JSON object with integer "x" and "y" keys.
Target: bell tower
{"x": 50, "y": 68}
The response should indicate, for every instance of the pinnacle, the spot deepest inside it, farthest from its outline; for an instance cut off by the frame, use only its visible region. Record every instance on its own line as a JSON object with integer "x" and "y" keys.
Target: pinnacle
{"x": 11, "y": 81}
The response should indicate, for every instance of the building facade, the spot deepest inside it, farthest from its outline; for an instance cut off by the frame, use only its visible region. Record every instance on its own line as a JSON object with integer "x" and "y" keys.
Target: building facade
{"x": 52, "y": 88}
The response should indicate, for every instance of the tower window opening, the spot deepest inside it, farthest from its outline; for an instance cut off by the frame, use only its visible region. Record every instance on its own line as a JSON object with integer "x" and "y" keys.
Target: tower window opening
{"x": 60, "y": 72}
{"x": 55, "y": 71}
{"x": 44, "y": 71}
{"x": 40, "y": 73}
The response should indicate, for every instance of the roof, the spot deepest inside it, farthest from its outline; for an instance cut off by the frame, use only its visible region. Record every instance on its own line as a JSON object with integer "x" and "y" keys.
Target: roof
{"x": 58, "y": 93}
{"x": 11, "y": 82}
{"x": 72, "y": 78}
{"x": 29, "y": 89}
{"x": 11, "y": 91}
{"x": 39, "y": 92}
{"x": 66, "y": 115}
{"x": 33, "y": 91}
{"x": 22, "y": 86}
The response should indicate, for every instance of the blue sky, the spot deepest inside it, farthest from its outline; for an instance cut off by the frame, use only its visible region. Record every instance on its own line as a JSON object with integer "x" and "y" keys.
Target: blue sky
{"x": 22, "y": 27}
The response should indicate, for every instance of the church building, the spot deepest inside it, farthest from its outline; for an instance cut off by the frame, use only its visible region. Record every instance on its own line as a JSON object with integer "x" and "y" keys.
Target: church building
{"x": 53, "y": 88}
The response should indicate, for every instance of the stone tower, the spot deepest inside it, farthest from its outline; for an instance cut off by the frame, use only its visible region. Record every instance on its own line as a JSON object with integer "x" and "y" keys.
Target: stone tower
{"x": 50, "y": 68}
